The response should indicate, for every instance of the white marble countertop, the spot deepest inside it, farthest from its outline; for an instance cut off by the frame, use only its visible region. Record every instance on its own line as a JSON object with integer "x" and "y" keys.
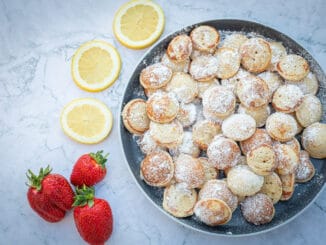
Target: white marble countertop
{"x": 38, "y": 39}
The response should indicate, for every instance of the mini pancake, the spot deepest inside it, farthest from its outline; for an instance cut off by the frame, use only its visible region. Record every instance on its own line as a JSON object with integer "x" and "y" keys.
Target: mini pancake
{"x": 134, "y": 116}
{"x": 157, "y": 169}
{"x": 258, "y": 209}
{"x": 180, "y": 48}
{"x": 179, "y": 200}
{"x": 155, "y": 76}
{"x": 242, "y": 181}
{"x": 256, "y": 55}
{"x": 293, "y": 67}
{"x": 212, "y": 211}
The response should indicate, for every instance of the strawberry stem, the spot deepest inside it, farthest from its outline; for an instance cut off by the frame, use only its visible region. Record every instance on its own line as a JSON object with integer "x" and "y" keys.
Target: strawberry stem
{"x": 99, "y": 158}
{"x": 35, "y": 181}
{"x": 84, "y": 195}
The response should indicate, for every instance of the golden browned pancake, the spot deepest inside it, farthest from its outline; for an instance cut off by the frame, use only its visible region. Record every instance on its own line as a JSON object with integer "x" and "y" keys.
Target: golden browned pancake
{"x": 288, "y": 184}
{"x": 228, "y": 62}
{"x": 179, "y": 200}
{"x": 223, "y": 152}
{"x": 259, "y": 138}
{"x": 252, "y": 91}
{"x": 203, "y": 68}
{"x": 255, "y": 55}
{"x": 155, "y": 76}
{"x": 305, "y": 170}
{"x": 205, "y": 38}
{"x": 281, "y": 126}
{"x": 162, "y": 107}
{"x": 219, "y": 101}
{"x": 168, "y": 135}
{"x": 310, "y": 110}
{"x": 134, "y": 116}
{"x": 272, "y": 187}
{"x": 313, "y": 140}
{"x": 218, "y": 189}
{"x": 157, "y": 169}
{"x": 189, "y": 170}
{"x": 293, "y": 67}
{"x": 258, "y": 209}
{"x": 203, "y": 133}
{"x": 183, "y": 86}
{"x": 179, "y": 48}
{"x": 262, "y": 160}
{"x": 212, "y": 211}
{"x": 239, "y": 127}
{"x": 287, "y": 98}
{"x": 242, "y": 181}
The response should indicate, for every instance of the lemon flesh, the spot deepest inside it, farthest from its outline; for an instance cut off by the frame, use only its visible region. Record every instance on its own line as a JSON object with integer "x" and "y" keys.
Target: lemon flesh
{"x": 138, "y": 23}
{"x": 95, "y": 66}
{"x": 86, "y": 120}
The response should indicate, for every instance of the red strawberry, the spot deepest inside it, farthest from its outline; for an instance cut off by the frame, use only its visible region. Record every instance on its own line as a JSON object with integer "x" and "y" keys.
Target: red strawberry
{"x": 93, "y": 216}
{"x": 49, "y": 195}
{"x": 89, "y": 169}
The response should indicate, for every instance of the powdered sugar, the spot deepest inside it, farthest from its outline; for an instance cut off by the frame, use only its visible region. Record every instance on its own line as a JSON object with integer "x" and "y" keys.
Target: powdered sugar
{"x": 212, "y": 211}
{"x": 218, "y": 100}
{"x": 204, "y": 67}
{"x": 286, "y": 158}
{"x": 287, "y": 98}
{"x": 258, "y": 209}
{"x": 223, "y": 153}
{"x": 243, "y": 181}
{"x": 176, "y": 66}
{"x": 281, "y": 126}
{"x": 309, "y": 85}
{"x": 157, "y": 168}
{"x": 239, "y": 127}
{"x": 180, "y": 48}
{"x": 189, "y": 171}
{"x": 147, "y": 144}
{"x": 305, "y": 170}
{"x": 252, "y": 91}
{"x": 273, "y": 81}
{"x": 259, "y": 138}
{"x": 163, "y": 104}
{"x": 155, "y": 76}
{"x": 187, "y": 146}
{"x": 228, "y": 62}
{"x": 187, "y": 114}
{"x": 218, "y": 189}
{"x": 278, "y": 52}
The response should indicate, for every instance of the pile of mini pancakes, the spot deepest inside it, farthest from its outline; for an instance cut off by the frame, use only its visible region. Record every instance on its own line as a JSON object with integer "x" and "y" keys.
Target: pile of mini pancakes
{"x": 219, "y": 127}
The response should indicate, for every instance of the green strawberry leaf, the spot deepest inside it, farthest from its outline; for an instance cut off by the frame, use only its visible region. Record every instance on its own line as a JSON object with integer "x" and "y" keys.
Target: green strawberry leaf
{"x": 35, "y": 181}
{"x": 99, "y": 158}
{"x": 84, "y": 196}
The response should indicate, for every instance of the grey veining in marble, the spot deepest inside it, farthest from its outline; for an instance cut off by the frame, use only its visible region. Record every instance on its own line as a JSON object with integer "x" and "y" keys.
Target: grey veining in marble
{"x": 37, "y": 41}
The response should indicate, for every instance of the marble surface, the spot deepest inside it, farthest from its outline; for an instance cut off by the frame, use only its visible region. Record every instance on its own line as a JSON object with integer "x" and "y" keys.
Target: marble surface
{"x": 38, "y": 39}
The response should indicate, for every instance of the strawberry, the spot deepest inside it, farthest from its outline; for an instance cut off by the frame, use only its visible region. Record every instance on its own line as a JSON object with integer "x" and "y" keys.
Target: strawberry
{"x": 93, "y": 216}
{"x": 49, "y": 195}
{"x": 89, "y": 169}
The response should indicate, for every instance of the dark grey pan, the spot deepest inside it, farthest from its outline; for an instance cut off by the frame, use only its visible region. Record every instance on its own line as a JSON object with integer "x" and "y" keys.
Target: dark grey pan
{"x": 285, "y": 211}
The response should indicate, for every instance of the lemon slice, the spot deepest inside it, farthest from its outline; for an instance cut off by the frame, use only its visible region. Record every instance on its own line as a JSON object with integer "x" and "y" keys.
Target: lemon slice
{"x": 138, "y": 23}
{"x": 87, "y": 121}
{"x": 95, "y": 66}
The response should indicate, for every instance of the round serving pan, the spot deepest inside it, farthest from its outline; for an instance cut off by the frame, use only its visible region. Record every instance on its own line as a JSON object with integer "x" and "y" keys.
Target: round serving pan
{"x": 304, "y": 194}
